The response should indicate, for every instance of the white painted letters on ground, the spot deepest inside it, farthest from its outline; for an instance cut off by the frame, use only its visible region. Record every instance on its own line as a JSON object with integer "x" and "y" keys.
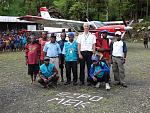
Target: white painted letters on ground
{"x": 75, "y": 99}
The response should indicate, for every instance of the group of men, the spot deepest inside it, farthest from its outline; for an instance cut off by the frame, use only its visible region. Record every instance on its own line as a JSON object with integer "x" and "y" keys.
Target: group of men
{"x": 88, "y": 50}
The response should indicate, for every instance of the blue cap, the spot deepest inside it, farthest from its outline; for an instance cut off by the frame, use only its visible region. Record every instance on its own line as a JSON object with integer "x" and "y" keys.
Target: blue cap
{"x": 95, "y": 58}
{"x": 70, "y": 34}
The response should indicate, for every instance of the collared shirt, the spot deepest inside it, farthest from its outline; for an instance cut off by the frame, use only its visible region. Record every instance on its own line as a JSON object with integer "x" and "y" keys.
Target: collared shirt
{"x": 86, "y": 41}
{"x": 47, "y": 71}
{"x": 52, "y": 49}
{"x": 61, "y": 44}
{"x": 71, "y": 51}
{"x": 119, "y": 48}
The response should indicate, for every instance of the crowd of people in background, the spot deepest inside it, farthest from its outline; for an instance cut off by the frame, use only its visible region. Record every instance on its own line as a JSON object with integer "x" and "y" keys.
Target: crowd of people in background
{"x": 12, "y": 40}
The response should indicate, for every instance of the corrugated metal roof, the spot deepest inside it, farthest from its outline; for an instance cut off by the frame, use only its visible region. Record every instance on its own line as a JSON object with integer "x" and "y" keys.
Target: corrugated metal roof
{"x": 12, "y": 19}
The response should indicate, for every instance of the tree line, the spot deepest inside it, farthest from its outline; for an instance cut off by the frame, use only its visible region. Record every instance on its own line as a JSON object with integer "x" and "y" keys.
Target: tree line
{"x": 103, "y": 10}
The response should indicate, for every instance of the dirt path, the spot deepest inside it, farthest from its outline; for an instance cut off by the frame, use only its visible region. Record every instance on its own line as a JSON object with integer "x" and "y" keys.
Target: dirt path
{"x": 17, "y": 95}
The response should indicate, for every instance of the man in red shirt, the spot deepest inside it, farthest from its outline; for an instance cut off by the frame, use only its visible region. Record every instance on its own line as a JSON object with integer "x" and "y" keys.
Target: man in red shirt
{"x": 98, "y": 41}
{"x": 105, "y": 46}
{"x": 32, "y": 58}
{"x": 42, "y": 42}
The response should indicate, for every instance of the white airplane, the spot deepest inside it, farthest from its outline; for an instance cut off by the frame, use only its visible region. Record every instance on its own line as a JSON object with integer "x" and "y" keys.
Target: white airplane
{"x": 56, "y": 25}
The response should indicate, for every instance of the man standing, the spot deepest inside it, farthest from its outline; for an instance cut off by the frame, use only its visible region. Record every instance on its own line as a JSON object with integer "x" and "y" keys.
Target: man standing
{"x": 42, "y": 42}
{"x": 145, "y": 41}
{"x": 52, "y": 50}
{"x": 105, "y": 46}
{"x": 71, "y": 56}
{"x": 61, "y": 44}
{"x": 119, "y": 51}
{"x": 32, "y": 58}
{"x": 86, "y": 48}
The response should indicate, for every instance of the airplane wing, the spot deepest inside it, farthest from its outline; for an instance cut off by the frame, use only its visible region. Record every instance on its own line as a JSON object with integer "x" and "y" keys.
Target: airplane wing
{"x": 53, "y": 22}
{"x": 36, "y": 19}
{"x": 47, "y": 21}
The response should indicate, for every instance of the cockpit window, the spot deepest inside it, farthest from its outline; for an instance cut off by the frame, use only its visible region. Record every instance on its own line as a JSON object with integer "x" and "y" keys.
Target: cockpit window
{"x": 96, "y": 24}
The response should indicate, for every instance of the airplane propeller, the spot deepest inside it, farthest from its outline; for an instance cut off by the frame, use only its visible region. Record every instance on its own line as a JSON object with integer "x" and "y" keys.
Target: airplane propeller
{"x": 127, "y": 27}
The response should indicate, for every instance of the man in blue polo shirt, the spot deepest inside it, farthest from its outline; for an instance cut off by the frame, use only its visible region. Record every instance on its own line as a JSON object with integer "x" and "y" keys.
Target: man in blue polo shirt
{"x": 52, "y": 50}
{"x": 48, "y": 73}
{"x": 70, "y": 51}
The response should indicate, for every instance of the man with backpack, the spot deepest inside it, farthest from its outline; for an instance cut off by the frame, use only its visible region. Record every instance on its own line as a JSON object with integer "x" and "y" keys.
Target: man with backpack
{"x": 99, "y": 72}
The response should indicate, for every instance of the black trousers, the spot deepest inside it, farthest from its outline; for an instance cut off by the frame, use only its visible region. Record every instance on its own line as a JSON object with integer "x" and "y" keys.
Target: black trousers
{"x": 61, "y": 65}
{"x": 71, "y": 65}
{"x": 86, "y": 59}
{"x": 53, "y": 81}
{"x": 105, "y": 79}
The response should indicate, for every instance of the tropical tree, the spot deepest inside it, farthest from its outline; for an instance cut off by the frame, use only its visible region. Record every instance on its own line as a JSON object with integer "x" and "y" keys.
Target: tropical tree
{"x": 78, "y": 11}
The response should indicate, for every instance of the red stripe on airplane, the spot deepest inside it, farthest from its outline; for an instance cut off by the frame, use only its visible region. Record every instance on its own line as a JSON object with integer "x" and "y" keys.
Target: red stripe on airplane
{"x": 43, "y": 9}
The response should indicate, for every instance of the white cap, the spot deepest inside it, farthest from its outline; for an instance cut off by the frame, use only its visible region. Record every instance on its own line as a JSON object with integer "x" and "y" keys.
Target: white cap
{"x": 118, "y": 33}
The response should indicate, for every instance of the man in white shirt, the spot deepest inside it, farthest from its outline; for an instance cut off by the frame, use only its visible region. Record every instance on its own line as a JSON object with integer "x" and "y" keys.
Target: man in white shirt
{"x": 86, "y": 48}
{"x": 118, "y": 52}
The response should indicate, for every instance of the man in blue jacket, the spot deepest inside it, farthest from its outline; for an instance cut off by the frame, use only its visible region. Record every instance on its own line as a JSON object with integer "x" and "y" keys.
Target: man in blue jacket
{"x": 99, "y": 72}
{"x": 48, "y": 73}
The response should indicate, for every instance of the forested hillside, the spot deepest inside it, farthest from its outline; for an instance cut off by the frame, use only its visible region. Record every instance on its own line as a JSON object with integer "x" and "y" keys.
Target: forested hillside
{"x": 79, "y": 9}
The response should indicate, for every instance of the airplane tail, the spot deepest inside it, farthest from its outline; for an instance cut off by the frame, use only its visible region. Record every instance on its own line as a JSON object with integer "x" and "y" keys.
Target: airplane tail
{"x": 44, "y": 13}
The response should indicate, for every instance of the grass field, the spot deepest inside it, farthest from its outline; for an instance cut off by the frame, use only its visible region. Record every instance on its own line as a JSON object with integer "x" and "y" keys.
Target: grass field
{"x": 17, "y": 95}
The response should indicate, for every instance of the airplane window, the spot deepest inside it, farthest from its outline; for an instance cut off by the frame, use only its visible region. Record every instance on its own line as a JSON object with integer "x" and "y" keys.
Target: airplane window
{"x": 92, "y": 27}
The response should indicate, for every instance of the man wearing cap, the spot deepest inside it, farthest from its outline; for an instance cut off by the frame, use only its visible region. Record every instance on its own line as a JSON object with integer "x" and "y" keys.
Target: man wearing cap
{"x": 52, "y": 50}
{"x": 48, "y": 73}
{"x": 118, "y": 51}
{"x": 70, "y": 51}
{"x": 99, "y": 72}
{"x": 105, "y": 46}
{"x": 86, "y": 47}
{"x": 32, "y": 51}
{"x": 61, "y": 44}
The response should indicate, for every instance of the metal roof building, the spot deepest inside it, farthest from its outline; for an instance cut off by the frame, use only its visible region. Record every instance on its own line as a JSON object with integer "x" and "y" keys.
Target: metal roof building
{"x": 12, "y": 19}
{"x": 12, "y": 22}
